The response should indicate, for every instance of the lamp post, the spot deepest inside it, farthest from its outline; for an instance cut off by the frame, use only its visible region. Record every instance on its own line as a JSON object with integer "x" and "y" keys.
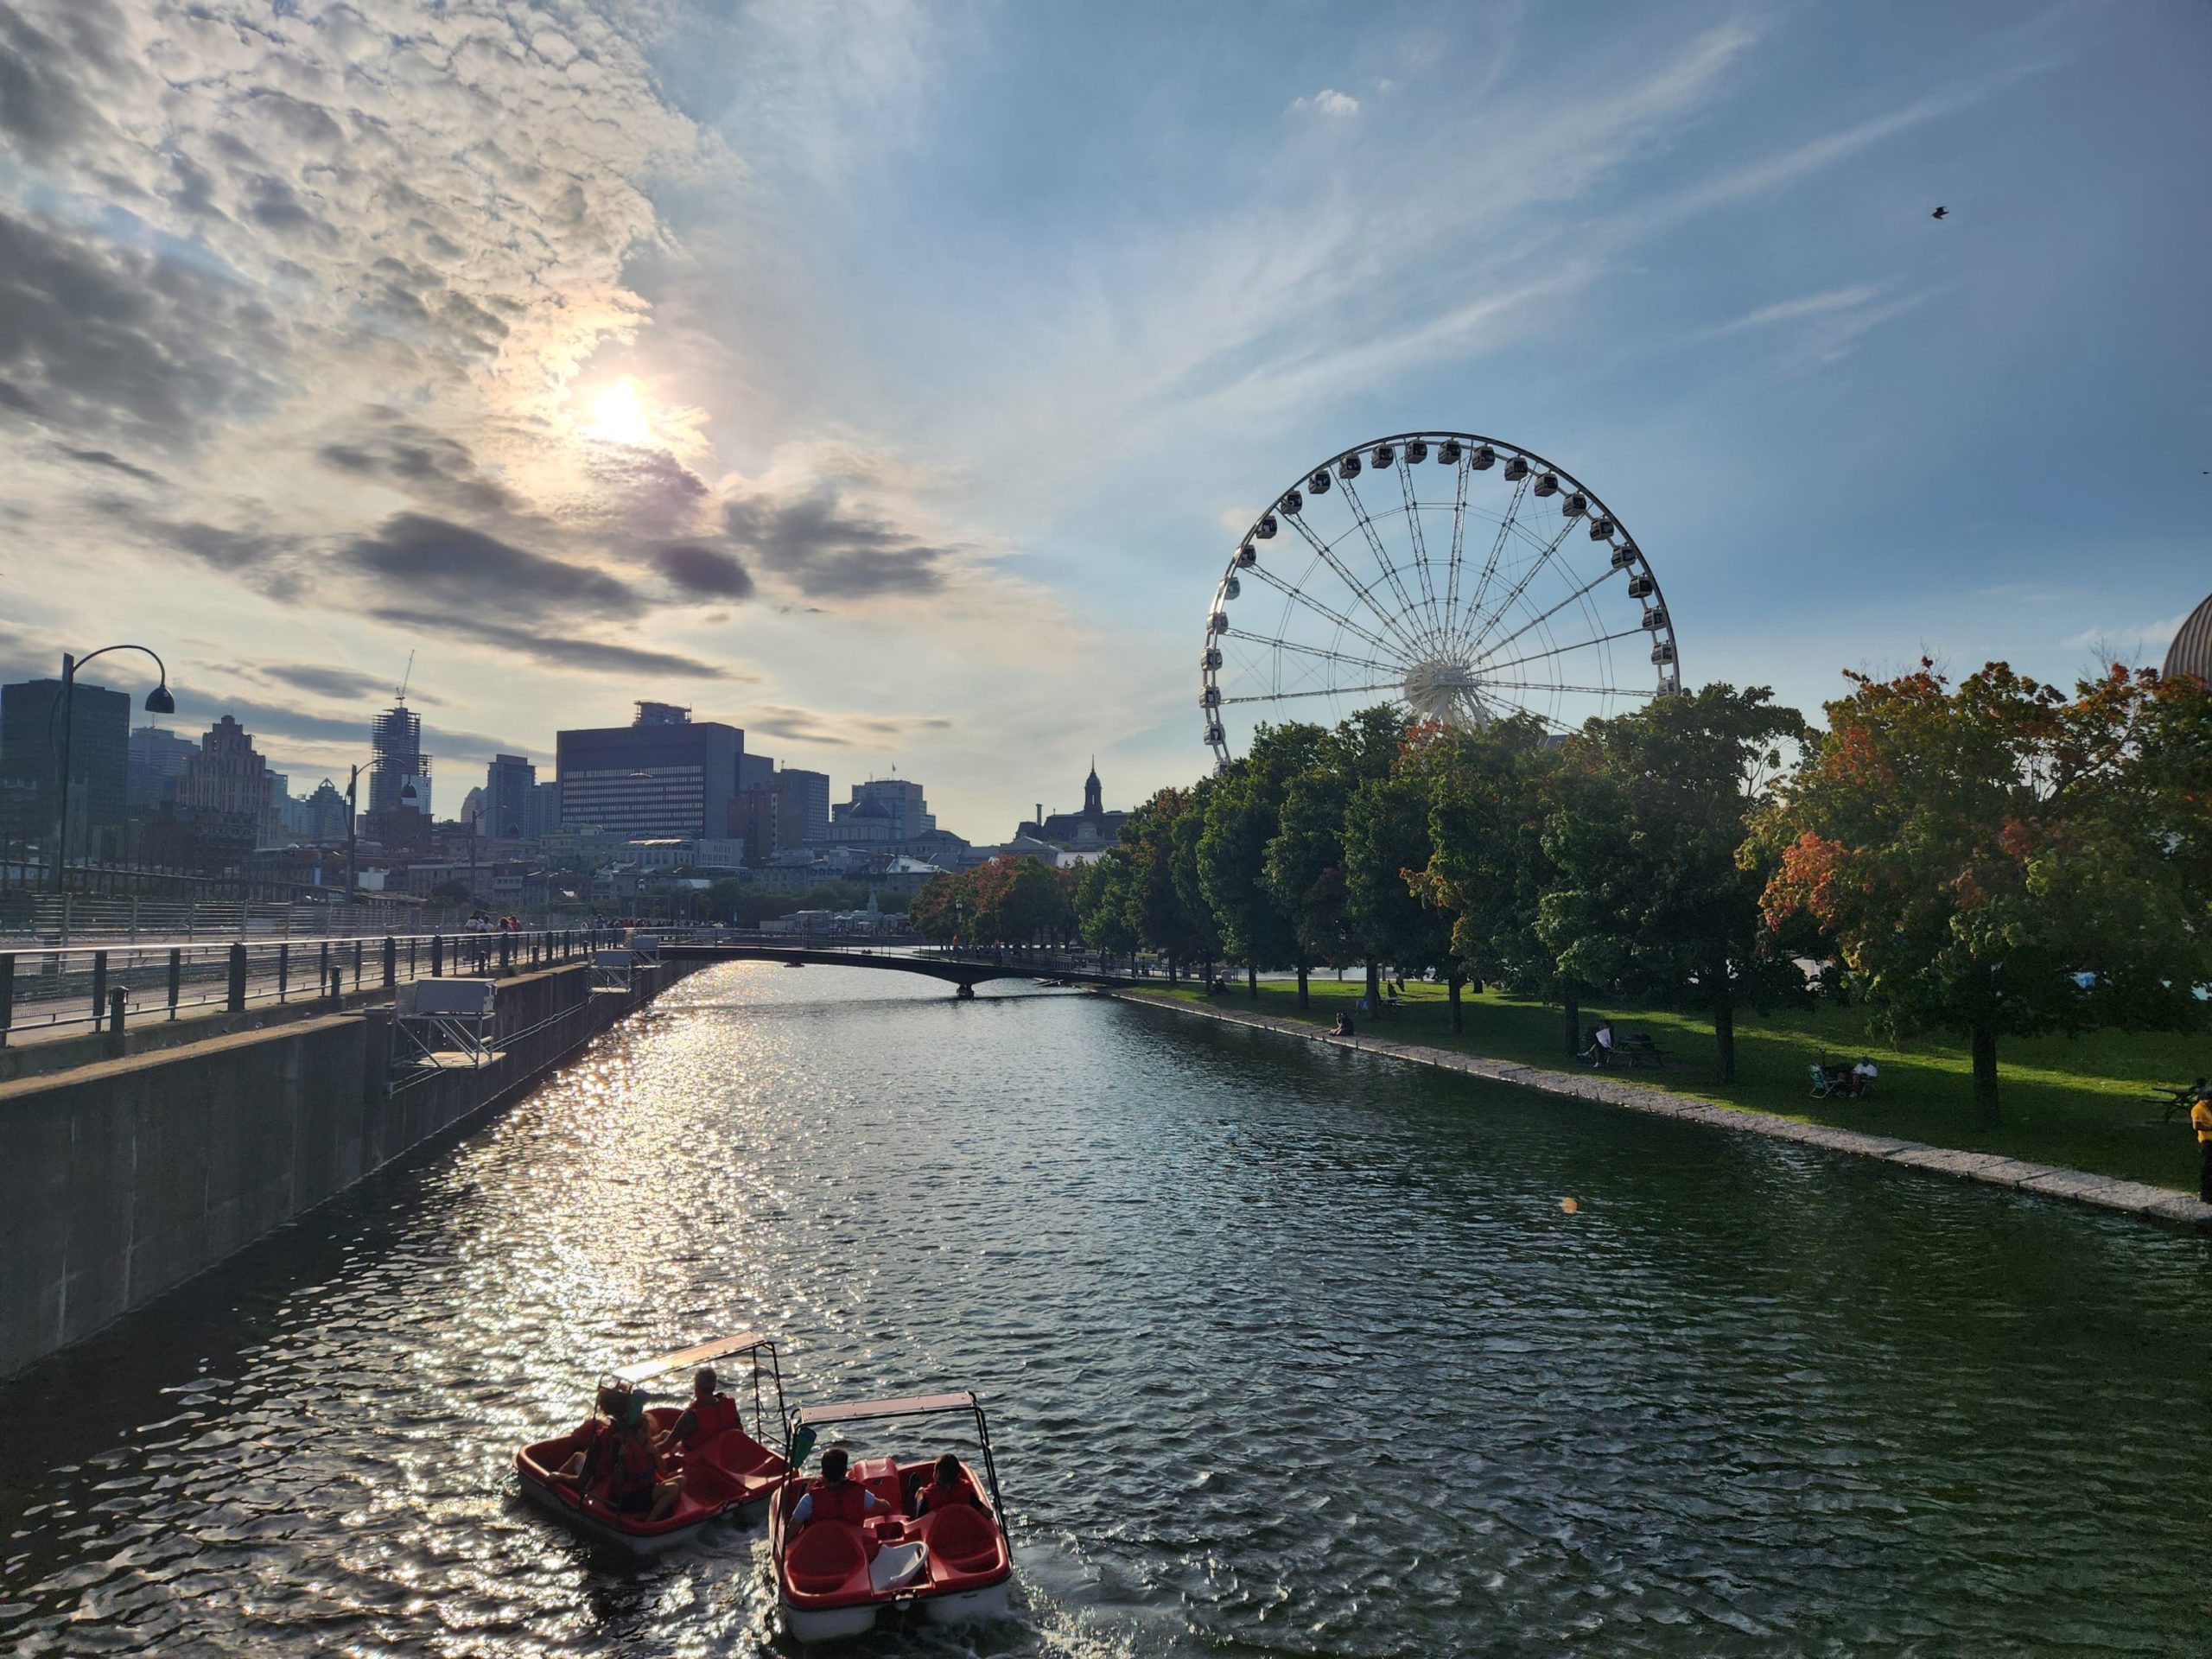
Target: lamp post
{"x": 158, "y": 702}
{"x": 352, "y": 824}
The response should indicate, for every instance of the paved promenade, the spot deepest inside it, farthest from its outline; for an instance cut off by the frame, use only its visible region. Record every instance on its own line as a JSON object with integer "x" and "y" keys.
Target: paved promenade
{"x": 2133, "y": 1198}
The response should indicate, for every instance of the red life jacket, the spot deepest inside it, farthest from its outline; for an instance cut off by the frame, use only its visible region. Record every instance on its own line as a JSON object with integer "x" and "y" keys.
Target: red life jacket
{"x": 938, "y": 1494}
{"x": 843, "y": 1500}
{"x": 710, "y": 1417}
{"x": 635, "y": 1463}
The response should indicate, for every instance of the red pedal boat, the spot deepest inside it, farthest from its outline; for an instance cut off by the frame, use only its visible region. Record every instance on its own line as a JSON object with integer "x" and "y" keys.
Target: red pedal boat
{"x": 729, "y": 1472}
{"x": 949, "y": 1562}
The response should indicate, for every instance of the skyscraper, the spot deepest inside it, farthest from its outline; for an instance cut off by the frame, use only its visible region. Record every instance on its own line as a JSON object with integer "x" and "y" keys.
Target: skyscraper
{"x": 158, "y": 758}
{"x": 664, "y": 775}
{"x": 395, "y": 739}
{"x": 226, "y": 789}
{"x": 809, "y": 796}
{"x": 508, "y": 784}
{"x": 99, "y": 761}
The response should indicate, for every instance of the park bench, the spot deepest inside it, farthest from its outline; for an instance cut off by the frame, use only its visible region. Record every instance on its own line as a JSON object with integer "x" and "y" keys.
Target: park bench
{"x": 1637, "y": 1048}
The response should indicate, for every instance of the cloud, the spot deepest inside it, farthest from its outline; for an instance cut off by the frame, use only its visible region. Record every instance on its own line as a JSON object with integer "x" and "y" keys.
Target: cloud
{"x": 827, "y": 549}
{"x": 1811, "y": 305}
{"x": 325, "y": 680}
{"x": 1327, "y": 103}
{"x": 2148, "y": 638}
{"x": 839, "y": 731}
{"x": 554, "y": 649}
{"x": 426, "y": 464}
{"x": 420, "y": 558}
{"x": 113, "y": 462}
{"x": 704, "y": 571}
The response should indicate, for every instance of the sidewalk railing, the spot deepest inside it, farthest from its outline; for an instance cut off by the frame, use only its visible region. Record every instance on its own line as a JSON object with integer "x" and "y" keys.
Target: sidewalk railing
{"x": 57, "y": 990}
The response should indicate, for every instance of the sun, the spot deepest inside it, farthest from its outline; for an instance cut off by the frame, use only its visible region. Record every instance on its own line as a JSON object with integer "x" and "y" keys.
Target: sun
{"x": 619, "y": 416}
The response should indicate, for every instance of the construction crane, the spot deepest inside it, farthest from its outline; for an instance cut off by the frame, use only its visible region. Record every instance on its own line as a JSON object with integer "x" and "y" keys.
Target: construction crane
{"x": 400, "y": 696}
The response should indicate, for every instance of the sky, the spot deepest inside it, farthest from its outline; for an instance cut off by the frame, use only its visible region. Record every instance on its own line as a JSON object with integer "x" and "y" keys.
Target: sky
{"x": 893, "y": 380}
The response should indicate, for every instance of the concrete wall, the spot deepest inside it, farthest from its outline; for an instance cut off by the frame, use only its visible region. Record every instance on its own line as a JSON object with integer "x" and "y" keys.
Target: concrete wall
{"x": 121, "y": 1180}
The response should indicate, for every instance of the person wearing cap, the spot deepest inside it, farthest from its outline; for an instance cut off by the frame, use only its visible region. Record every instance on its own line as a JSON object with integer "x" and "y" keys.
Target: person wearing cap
{"x": 833, "y": 1497}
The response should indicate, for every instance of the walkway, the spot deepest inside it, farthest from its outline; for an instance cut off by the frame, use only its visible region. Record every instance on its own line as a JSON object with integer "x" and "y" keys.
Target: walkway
{"x": 2131, "y": 1197}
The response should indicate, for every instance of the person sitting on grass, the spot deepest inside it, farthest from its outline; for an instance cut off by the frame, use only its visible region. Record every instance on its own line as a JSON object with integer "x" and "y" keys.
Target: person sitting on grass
{"x": 1862, "y": 1076}
{"x": 1343, "y": 1027}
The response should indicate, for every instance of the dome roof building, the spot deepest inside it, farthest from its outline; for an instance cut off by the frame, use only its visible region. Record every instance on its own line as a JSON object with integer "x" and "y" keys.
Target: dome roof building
{"x": 2191, "y": 651}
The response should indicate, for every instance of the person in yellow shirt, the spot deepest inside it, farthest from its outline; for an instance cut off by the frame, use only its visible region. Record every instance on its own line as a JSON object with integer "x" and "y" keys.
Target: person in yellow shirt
{"x": 2200, "y": 1118}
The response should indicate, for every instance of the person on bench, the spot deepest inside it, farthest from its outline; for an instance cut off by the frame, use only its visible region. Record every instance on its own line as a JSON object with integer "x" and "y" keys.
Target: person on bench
{"x": 833, "y": 1497}
{"x": 949, "y": 1488}
{"x": 708, "y": 1415}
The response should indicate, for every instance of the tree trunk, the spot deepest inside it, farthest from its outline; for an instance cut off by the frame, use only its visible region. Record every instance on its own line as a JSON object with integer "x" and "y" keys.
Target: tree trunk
{"x": 1171, "y": 979}
{"x": 1252, "y": 978}
{"x": 1723, "y": 1037}
{"x": 1454, "y": 982}
{"x": 1573, "y": 1022}
{"x": 1985, "y": 1078}
{"x": 1374, "y": 984}
{"x": 1302, "y": 971}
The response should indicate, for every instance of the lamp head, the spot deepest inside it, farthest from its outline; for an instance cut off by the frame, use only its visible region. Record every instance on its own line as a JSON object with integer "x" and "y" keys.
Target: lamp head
{"x": 159, "y": 701}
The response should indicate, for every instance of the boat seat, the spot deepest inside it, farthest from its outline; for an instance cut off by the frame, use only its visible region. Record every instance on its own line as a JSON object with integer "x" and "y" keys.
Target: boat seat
{"x": 962, "y": 1538}
{"x": 880, "y": 1475}
{"x": 823, "y": 1556}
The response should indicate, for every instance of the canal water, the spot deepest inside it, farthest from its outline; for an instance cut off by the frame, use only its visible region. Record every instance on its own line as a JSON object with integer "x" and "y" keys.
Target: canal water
{"x": 1288, "y": 1351}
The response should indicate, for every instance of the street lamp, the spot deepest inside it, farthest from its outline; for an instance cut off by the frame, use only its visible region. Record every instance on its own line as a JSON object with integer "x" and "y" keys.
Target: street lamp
{"x": 158, "y": 702}
{"x": 407, "y": 797}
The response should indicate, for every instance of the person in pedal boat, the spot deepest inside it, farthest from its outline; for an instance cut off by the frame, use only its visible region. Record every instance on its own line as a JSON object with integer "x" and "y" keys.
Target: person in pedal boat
{"x": 708, "y": 1415}
{"x": 607, "y": 1407}
{"x": 629, "y": 1467}
{"x": 950, "y": 1487}
{"x": 833, "y": 1497}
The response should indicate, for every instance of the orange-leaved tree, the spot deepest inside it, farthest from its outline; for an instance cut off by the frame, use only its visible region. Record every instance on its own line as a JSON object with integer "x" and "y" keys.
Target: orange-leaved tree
{"x": 1998, "y": 859}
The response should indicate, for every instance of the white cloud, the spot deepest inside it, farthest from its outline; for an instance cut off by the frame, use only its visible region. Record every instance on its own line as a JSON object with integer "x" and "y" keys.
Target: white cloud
{"x": 1326, "y": 102}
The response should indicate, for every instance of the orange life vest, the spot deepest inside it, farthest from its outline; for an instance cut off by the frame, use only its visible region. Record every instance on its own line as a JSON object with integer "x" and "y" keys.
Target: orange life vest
{"x": 939, "y": 1495}
{"x": 842, "y": 1500}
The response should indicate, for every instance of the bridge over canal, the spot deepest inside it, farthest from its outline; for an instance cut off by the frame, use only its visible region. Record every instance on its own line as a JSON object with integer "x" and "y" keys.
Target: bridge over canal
{"x": 965, "y": 971}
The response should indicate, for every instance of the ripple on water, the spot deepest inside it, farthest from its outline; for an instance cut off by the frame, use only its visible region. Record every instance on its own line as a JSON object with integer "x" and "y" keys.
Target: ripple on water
{"x": 1287, "y": 1352}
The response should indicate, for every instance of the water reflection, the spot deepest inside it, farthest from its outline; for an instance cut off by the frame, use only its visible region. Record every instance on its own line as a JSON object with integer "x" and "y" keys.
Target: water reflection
{"x": 1294, "y": 1352}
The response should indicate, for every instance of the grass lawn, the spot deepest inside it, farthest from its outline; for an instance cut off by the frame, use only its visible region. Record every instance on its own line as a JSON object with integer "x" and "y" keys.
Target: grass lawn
{"x": 2079, "y": 1102}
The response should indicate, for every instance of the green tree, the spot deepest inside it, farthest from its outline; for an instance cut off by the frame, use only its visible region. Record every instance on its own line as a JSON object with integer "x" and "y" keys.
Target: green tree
{"x": 1243, "y": 813}
{"x": 1102, "y": 905}
{"x": 1972, "y": 851}
{"x": 1650, "y": 899}
{"x": 1387, "y": 849}
{"x": 1303, "y": 867}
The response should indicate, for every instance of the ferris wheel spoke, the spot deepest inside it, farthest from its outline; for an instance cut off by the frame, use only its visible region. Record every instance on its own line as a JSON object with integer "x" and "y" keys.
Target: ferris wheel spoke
{"x": 1594, "y": 582}
{"x": 1414, "y": 535}
{"x": 1390, "y": 624}
{"x": 1458, "y": 538}
{"x": 1559, "y": 685}
{"x": 1489, "y": 565}
{"x": 1383, "y": 557}
{"x": 1520, "y": 587}
{"x": 1560, "y": 650}
{"x": 1312, "y": 650}
{"x": 1323, "y": 691}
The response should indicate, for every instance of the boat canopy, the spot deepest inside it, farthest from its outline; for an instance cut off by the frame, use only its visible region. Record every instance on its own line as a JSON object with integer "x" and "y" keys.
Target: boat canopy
{"x": 683, "y": 1359}
{"x": 913, "y": 1405}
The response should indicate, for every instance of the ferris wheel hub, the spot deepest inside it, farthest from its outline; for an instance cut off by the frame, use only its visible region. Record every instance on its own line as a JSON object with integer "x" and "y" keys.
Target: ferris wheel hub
{"x": 1440, "y": 689}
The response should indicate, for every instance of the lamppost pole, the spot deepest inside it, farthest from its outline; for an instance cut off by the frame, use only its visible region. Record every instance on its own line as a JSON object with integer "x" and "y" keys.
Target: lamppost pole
{"x": 353, "y": 826}
{"x": 158, "y": 702}
{"x": 474, "y": 819}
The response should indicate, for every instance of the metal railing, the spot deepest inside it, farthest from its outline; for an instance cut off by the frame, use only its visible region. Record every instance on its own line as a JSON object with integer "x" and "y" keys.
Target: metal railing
{"x": 67, "y": 917}
{"x": 60, "y": 990}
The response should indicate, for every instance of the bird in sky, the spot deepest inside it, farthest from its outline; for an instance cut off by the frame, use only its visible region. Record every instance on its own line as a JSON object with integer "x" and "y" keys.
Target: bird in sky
{"x": 1941, "y": 213}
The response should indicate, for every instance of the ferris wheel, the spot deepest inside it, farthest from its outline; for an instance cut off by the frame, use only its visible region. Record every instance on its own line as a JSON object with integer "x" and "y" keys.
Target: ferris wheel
{"x": 1462, "y": 576}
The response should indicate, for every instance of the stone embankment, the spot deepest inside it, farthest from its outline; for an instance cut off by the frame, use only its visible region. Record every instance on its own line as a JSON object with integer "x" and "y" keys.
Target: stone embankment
{"x": 120, "y": 1179}
{"x": 2131, "y": 1197}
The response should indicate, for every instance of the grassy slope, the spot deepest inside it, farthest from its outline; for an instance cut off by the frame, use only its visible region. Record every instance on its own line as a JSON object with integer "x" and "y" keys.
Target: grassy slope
{"x": 2077, "y": 1103}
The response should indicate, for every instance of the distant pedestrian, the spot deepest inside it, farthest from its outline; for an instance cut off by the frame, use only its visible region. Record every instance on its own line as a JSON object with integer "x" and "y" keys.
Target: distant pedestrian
{"x": 1601, "y": 1051}
{"x": 2200, "y": 1118}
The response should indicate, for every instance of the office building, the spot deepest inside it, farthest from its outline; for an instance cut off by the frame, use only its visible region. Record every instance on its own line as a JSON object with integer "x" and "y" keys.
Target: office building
{"x": 543, "y": 811}
{"x": 807, "y": 802}
{"x": 157, "y": 760}
{"x": 756, "y": 772}
{"x": 661, "y": 775}
{"x": 99, "y": 762}
{"x": 226, "y": 790}
{"x": 882, "y": 809}
{"x": 1093, "y": 826}
{"x": 508, "y": 782}
{"x": 325, "y": 813}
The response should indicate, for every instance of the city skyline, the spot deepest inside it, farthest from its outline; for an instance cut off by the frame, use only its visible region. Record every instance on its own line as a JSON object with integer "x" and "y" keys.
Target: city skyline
{"x": 760, "y": 362}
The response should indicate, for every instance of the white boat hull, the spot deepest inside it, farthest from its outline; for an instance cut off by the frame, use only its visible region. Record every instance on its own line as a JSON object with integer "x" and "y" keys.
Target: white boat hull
{"x": 969, "y": 1606}
{"x": 640, "y": 1544}
{"x": 808, "y": 1626}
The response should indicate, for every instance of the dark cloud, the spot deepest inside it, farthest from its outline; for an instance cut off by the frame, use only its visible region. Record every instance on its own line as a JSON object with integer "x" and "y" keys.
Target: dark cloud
{"x": 234, "y": 550}
{"x": 839, "y": 731}
{"x": 427, "y": 464}
{"x": 196, "y": 710}
{"x": 98, "y": 335}
{"x": 326, "y": 681}
{"x": 554, "y": 649}
{"x": 41, "y": 106}
{"x": 423, "y": 560}
{"x": 704, "y": 571}
{"x": 113, "y": 462}
{"x": 829, "y": 550}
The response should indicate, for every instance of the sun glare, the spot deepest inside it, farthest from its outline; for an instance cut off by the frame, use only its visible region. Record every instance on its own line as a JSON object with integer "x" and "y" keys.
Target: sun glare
{"x": 617, "y": 417}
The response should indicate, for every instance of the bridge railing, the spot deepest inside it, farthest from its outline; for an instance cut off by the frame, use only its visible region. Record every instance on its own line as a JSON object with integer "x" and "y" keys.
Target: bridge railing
{"x": 65, "y": 990}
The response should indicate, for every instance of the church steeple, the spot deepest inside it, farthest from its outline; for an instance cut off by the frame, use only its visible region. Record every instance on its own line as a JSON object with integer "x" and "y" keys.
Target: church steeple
{"x": 1094, "y": 798}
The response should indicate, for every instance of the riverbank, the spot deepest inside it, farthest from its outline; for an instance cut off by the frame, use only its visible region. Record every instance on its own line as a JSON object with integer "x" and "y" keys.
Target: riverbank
{"x": 1632, "y": 1092}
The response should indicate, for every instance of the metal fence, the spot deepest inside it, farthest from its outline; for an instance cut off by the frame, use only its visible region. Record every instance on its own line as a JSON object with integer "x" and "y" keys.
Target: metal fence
{"x": 64, "y": 989}
{"x": 79, "y": 917}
